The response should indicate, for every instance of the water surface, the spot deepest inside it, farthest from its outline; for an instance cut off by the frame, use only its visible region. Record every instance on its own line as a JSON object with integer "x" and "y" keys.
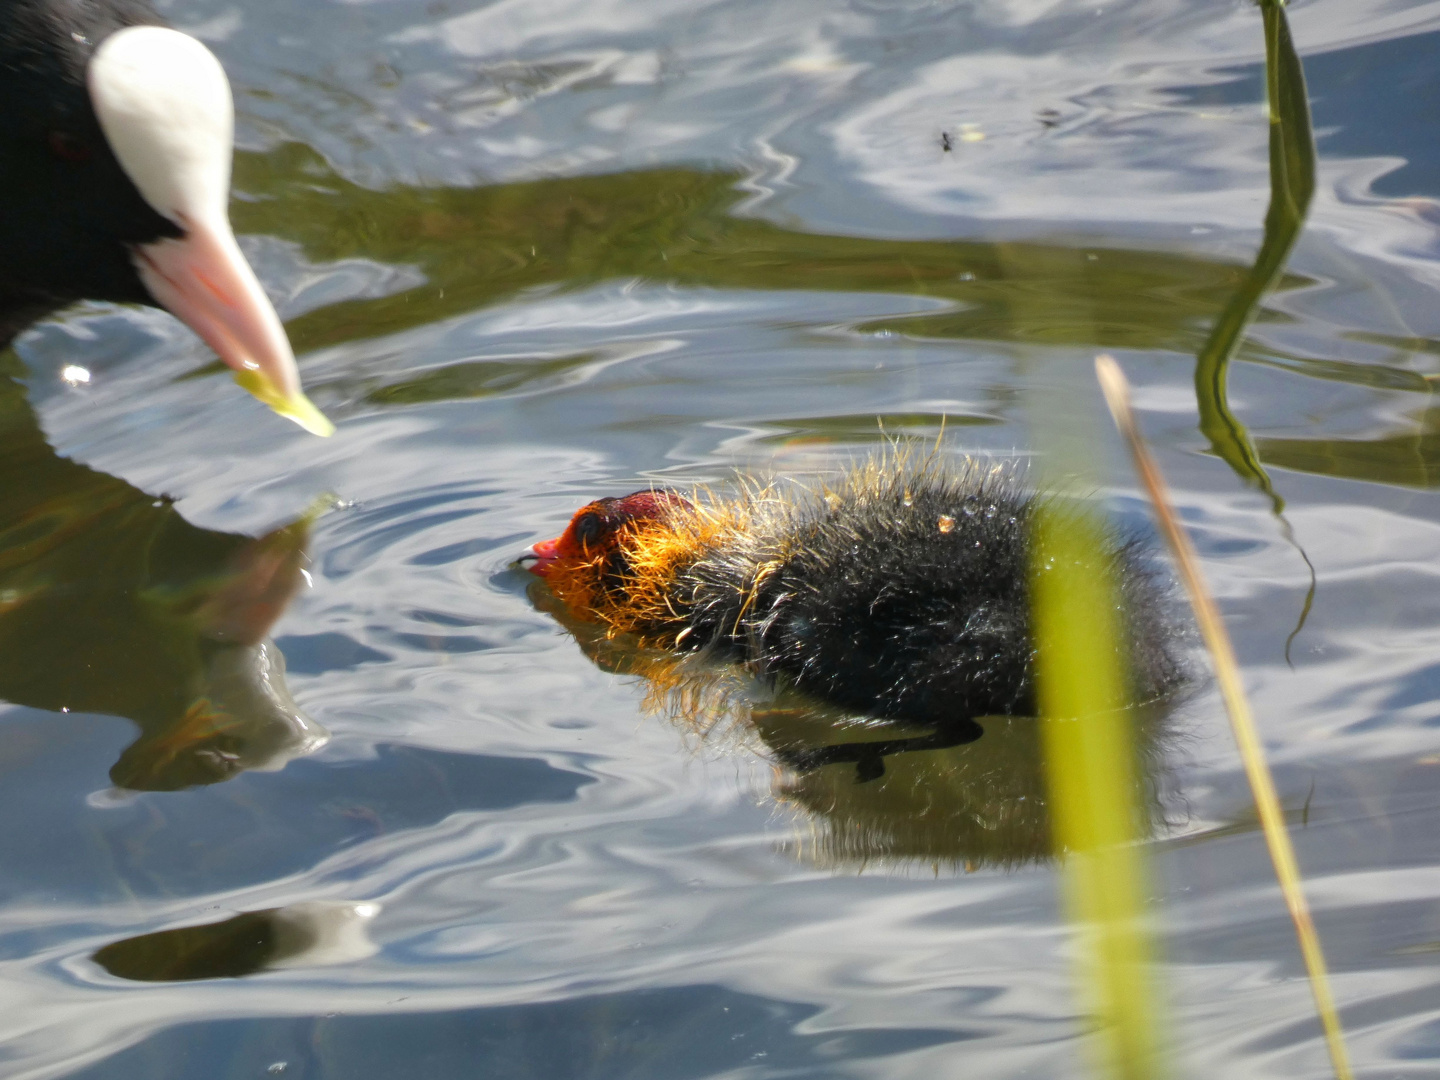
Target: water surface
{"x": 536, "y": 251}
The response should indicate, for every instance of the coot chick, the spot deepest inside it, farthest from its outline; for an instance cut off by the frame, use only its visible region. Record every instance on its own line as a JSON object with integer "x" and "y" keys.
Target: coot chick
{"x": 116, "y": 136}
{"x": 900, "y": 594}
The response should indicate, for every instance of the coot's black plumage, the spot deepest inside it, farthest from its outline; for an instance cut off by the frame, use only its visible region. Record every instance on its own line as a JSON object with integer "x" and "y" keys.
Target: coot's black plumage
{"x": 901, "y": 594}
{"x": 68, "y": 211}
{"x": 105, "y": 195}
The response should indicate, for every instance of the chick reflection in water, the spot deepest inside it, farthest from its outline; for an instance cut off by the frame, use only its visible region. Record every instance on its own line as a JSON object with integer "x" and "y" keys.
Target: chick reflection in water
{"x": 111, "y": 602}
{"x": 874, "y": 635}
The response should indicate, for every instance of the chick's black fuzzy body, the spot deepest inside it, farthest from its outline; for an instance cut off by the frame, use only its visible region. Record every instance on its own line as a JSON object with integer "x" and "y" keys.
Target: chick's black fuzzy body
{"x": 905, "y": 595}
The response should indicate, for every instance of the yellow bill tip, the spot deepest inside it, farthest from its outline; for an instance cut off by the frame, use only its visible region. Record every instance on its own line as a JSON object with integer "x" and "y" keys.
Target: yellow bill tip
{"x": 298, "y": 407}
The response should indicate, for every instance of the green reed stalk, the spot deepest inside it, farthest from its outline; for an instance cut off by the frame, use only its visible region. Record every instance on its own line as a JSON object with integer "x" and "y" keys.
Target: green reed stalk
{"x": 1292, "y": 185}
{"x": 1090, "y": 761}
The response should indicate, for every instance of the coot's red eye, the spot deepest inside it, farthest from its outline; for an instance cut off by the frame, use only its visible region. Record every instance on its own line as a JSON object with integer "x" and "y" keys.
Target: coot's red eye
{"x": 68, "y": 147}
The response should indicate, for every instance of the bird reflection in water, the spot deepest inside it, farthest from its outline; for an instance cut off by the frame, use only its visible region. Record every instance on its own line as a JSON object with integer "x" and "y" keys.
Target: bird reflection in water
{"x": 312, "y": 934}
{"x": 111, "y": 602}
{"x": 873, "y": 793}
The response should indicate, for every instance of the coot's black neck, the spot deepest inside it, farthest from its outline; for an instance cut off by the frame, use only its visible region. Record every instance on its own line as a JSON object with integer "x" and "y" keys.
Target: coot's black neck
{"x": 69, "y": 213}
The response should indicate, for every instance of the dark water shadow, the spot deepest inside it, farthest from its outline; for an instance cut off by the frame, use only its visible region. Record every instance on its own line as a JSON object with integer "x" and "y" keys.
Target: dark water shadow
{"x": 1405, "y": 458}
{"x": 480, "y": 246}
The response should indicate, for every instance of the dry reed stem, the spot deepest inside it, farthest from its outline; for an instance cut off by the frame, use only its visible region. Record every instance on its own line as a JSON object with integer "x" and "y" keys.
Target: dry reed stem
{"x": 1227, "y": 674}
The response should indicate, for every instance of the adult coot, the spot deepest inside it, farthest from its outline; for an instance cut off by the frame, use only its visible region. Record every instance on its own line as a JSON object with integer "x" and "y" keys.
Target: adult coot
{"x": 115, "y": 147}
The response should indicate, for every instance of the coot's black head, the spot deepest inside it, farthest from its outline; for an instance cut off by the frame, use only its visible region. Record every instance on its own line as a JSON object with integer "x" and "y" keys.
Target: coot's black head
{"x": 68, "y": 211}
{"x": 115, "y": 147}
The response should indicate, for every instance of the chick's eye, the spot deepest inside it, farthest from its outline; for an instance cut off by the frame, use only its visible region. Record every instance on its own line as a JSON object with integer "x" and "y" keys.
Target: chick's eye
{"x": 588, "y": 529}
{"x": 68, "y": 147}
